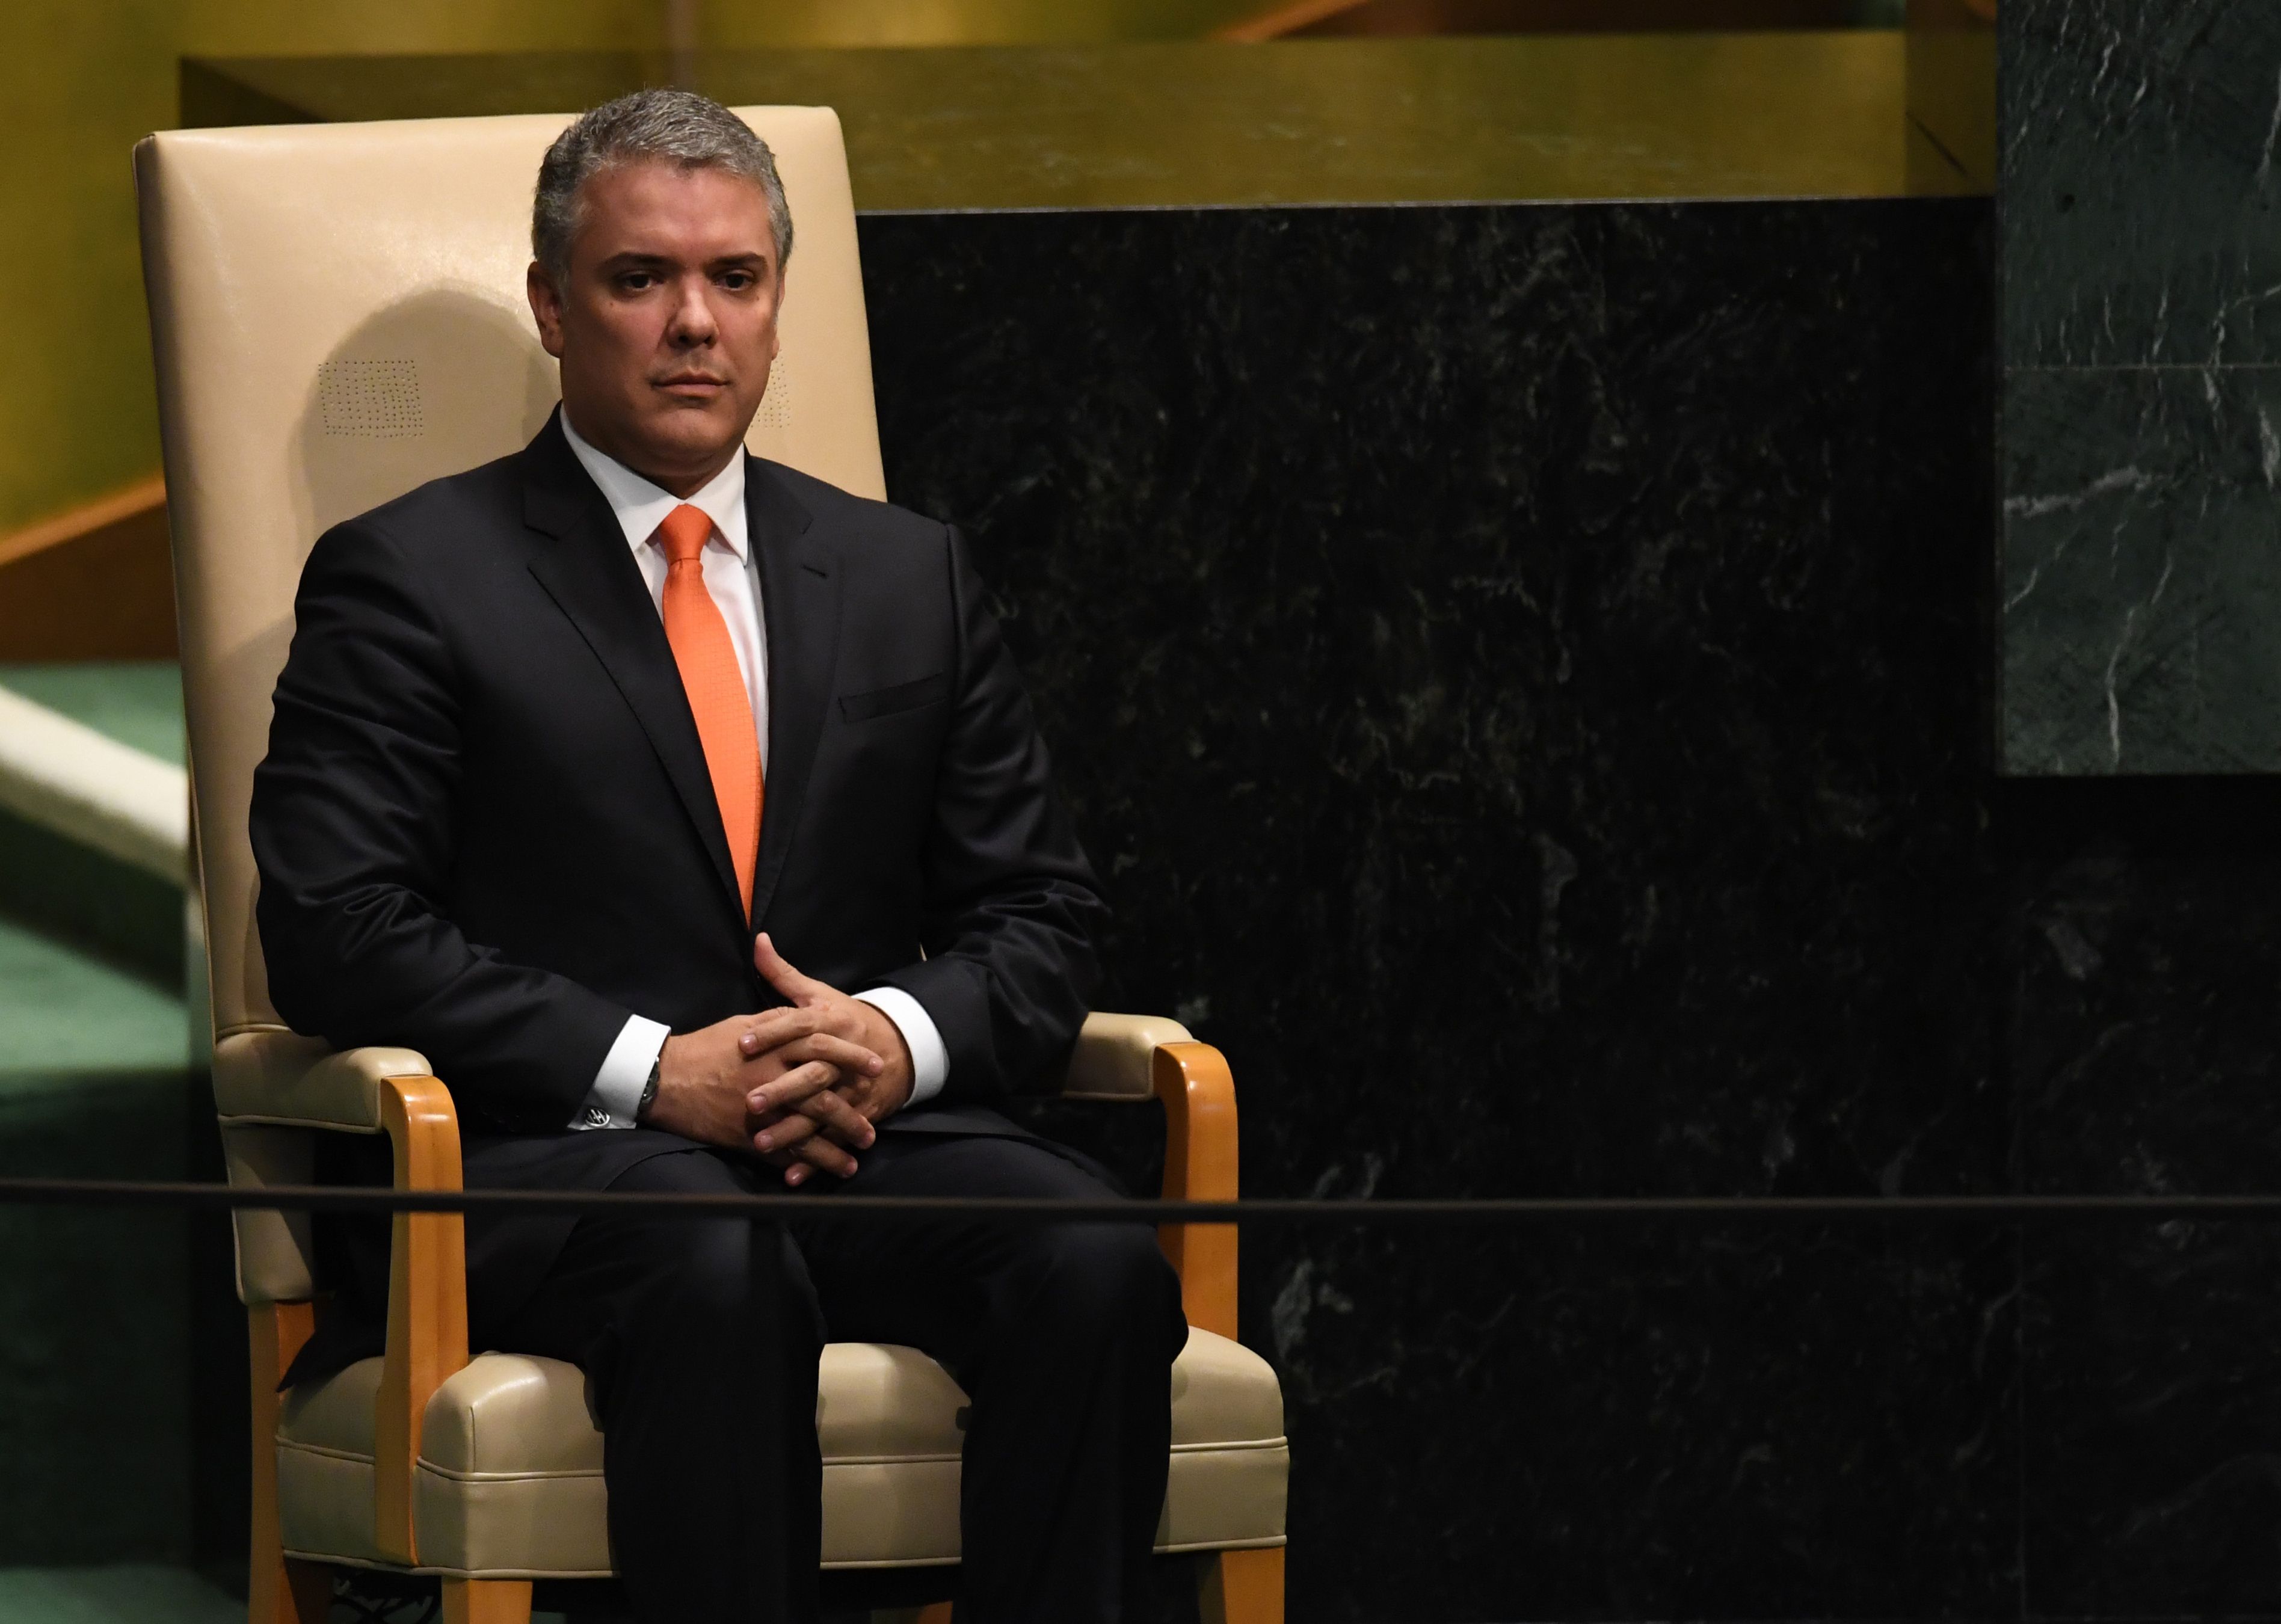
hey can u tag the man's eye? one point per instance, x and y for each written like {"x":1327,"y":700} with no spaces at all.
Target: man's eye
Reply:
{"x":636,"y":282}
{"x":738,"y":281}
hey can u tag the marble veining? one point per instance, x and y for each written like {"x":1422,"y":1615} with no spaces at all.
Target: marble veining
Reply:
{"x":2139,"y":183}
{"x":1524,"y":675}
{"x":1520,"y":672}
{"x":2143,"y":926}
{"x":2141,"y":267}
{"x":2141,"y":573}
{"x":2141,"y":435}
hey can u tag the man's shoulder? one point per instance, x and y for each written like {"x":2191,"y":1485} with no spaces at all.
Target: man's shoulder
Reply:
{"x":843,"y":516}
{"x":442,"y":511}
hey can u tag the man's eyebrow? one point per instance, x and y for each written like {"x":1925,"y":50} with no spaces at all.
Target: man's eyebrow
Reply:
{"x":632,"y":257}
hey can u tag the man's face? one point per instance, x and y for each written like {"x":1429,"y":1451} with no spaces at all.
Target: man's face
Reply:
{"x":669,"y":323}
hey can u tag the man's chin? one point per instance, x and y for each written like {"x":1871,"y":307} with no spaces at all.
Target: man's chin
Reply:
{"x":691,"y":438}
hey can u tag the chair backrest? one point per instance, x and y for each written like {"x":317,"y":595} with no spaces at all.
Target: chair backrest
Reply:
{"x":337,"y":313}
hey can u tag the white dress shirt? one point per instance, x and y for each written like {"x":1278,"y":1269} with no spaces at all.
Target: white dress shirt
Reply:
{"x":733,"y":579}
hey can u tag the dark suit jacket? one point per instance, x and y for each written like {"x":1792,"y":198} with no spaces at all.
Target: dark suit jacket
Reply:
{"x":485,"y":828}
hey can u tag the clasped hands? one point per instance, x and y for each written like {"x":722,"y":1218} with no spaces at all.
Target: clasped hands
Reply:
{"x":800,"y":1086}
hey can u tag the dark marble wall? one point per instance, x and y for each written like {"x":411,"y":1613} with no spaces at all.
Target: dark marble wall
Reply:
{"x":1522,"y":671}
{"x":2141,"y":258}
{"x":2145,"y":924}
{"x":2141,"y":254}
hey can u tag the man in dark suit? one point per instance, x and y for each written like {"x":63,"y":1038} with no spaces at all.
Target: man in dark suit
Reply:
{"x":575,"y":757}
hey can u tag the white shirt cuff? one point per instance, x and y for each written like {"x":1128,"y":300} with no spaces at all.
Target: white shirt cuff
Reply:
{"x":930,"y":1060}
{"x":617,"y":1091}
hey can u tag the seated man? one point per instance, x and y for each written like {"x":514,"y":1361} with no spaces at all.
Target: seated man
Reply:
{"x":575,"y":757}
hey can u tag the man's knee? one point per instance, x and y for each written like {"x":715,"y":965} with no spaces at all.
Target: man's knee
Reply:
{"x":698,"y":1274}
{"x":1106,"y":1273}
{"x":701,"y":1283}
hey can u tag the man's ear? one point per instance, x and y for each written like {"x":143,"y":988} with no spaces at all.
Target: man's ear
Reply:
{"x":545,"y":307}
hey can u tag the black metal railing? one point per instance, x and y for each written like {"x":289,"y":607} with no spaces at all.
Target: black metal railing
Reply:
{"x":770,"y":1208}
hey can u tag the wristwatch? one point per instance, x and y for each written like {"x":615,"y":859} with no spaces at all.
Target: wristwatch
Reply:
{"x":649,"y":1088}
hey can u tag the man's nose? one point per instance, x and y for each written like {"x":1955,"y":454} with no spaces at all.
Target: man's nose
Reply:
{"x":693,"y":316}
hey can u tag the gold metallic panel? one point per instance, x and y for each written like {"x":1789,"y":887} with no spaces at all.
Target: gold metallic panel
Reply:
{"x":1951,"y":88}
{"x":1806,"y":114}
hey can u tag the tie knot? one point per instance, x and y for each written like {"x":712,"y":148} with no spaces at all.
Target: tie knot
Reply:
{"x":684,"y":533}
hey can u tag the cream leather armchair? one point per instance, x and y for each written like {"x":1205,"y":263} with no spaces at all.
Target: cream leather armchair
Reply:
{"x":338,"y":315}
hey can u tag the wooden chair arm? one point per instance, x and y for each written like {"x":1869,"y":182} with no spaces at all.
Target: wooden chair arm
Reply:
{"x":1200,"y":1165}
{"x":267,"y":1074}
{"x":428,"y":1265}
{"x":1114,"y":1057}
{"x":427,"y":1299}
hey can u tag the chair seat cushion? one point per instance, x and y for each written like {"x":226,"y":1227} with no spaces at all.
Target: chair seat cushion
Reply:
{"x":510,"y":1472}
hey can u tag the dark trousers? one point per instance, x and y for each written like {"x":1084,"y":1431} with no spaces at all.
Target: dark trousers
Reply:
{"x":1063,"y":1337}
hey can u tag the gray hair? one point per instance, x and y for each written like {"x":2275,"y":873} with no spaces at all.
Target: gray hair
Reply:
{"x":674,"y":126}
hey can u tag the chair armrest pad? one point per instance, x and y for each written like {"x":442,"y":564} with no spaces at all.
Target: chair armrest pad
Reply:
{"x":1113,"y":1056}
{"x":269,"y":1075}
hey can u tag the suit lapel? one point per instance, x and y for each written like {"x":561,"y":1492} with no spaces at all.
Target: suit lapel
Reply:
{"x":589,"y":571}
{"x":799,"y":606}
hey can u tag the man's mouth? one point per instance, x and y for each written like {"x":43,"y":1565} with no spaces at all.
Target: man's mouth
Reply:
{"x":691,"y":384}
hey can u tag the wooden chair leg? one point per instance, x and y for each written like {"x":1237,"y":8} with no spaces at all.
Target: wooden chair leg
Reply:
{"x":285,"y":1590}
{"x":1243,"y":1587}
{"x":487,"y":1601}
{"x":279,"y":1590}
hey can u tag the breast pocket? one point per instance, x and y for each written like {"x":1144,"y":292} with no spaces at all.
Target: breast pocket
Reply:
{"x":887,"y":701}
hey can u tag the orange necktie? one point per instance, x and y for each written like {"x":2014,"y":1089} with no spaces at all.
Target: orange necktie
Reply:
{"x":716,"y":688}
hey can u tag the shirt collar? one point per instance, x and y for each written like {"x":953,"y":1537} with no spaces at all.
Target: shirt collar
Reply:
{"x":641,"y":506}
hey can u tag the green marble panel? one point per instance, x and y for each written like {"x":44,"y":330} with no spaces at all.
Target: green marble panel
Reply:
{"x":2143,"y":201}
{"x":2141,"y":303}
{"x":2142,"y":570}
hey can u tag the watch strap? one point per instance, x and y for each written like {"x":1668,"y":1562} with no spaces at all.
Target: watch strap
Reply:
{"x":649,"y":1088}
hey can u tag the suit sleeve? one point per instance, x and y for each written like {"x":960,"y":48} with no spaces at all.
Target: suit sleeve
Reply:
{"x":352,"y":831}
{"x":1011,"y":905}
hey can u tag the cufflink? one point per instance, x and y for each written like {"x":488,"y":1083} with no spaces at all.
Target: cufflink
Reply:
{"x":597,"y":1118}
